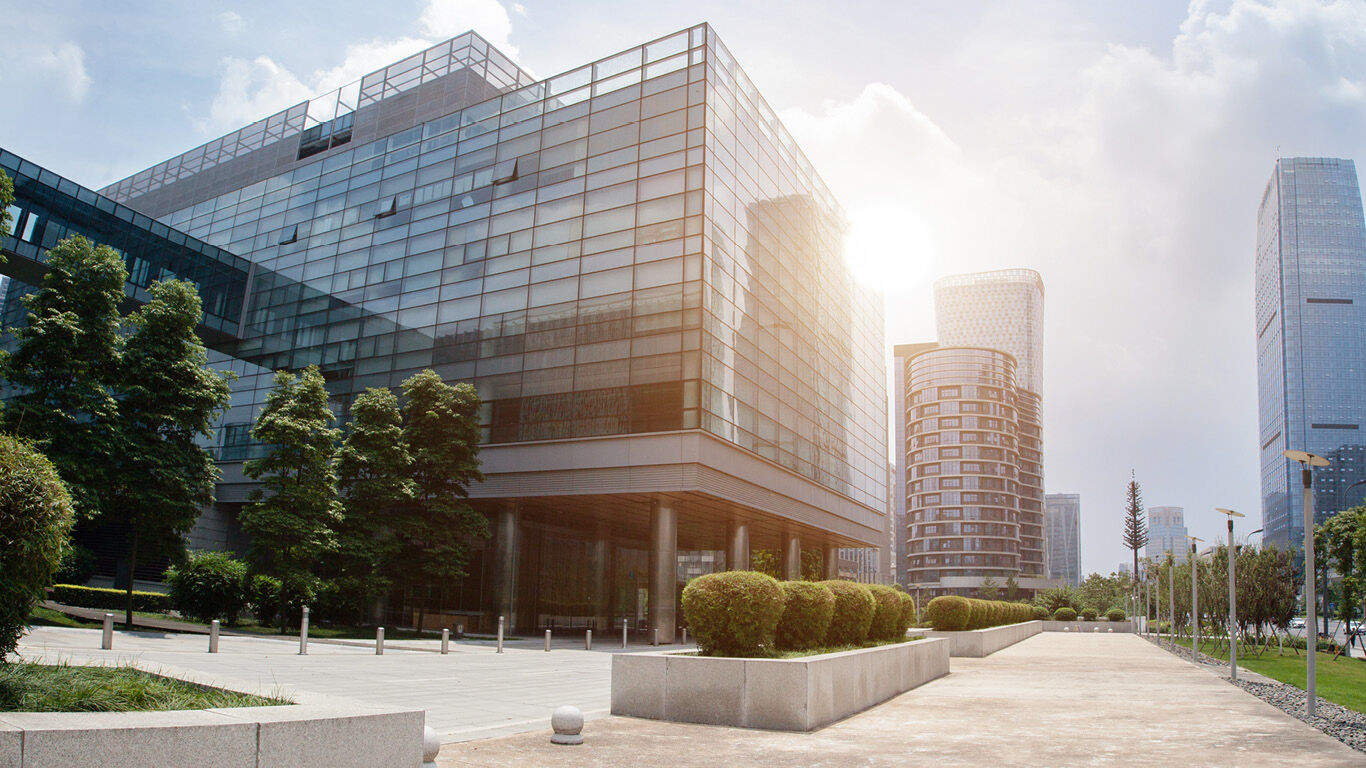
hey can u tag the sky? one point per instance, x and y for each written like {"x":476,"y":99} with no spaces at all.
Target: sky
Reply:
{"x":1119,"y":148}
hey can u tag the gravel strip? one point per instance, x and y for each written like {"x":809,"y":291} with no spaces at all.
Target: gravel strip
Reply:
{"x":1343,"y":724}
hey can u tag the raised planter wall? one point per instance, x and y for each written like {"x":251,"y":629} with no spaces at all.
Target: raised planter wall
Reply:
{"x":297,"y":736}
{"x":778,"y":694}
{"x":976,"y":643}
{"x":1088,"y":626}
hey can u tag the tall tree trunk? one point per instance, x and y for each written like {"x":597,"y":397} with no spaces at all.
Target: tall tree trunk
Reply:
{"x":132,"y":570}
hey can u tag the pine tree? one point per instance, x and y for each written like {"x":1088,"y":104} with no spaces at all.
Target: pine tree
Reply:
{"x":1135,"y":525}
{"x":169,"y":398}
{"x":293,"y":514}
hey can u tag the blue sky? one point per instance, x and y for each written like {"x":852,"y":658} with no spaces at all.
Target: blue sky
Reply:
{"x":1119,"y":148}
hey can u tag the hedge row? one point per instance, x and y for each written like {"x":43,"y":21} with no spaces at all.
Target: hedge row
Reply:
{"x":951,"y":613}
{"x":748,"y":614}
{"x":109,"y":599}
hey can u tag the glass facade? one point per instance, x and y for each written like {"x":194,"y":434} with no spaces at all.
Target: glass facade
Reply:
{"x":1167,"y":533}
{"x":1311,"y":339}
{"x":1062,"y":513}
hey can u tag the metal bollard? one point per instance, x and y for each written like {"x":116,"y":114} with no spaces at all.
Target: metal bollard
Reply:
{"x":588,"y":641}
{"x":654,"y":636}
{"x":500,"y":634}
{"x":107,"y":636}
{"x":623,"y":632}
{"x":547,"y":641}
{"x":685,"y":635}
{"x":379,"y":641}
{"x":445,"y":640}
{"x":303,"y":633}
{"x":213,"y":636}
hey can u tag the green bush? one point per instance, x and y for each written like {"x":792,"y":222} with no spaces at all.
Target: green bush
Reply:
{"x":1115,"y":614}
{"x":265,"y":598}
{"x":907,"y":617}
{"x":210,"y":585}
{"x":1088,"y":613}
{"x":734,"y":613}
{"x":886,"y":614}
{"x":949,"y":613}
{"x":78,"y":565}
{"x":109,"y":599}
{"x":35,"y":520}
{"x":1065,"y":614}
{"x":854,"y":609}
{"x":807,"y":609}
{"x":1040,"y":612}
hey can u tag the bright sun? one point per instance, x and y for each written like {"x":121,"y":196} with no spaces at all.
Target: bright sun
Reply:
{"x":889,"y":247}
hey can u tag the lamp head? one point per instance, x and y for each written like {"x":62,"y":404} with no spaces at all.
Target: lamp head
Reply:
{"x":1229,"y":512}
{"x":1306,"y":458}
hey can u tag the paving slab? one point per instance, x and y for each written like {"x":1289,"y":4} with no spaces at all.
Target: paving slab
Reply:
{"x":1054,"y":699}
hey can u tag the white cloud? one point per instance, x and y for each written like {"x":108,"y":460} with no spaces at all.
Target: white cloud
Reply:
{"x":230,"y":22}
{"x":519,"y":9}
{"x":447,"y":18}
{"x":66,"y":62}
{"x":251,"y":90}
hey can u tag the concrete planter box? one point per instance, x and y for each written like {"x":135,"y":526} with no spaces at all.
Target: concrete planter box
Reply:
{"x":778,"y":694}
{"x":976,"y":643}
{"x":301,"y":735}
{"x":1088,"y":626}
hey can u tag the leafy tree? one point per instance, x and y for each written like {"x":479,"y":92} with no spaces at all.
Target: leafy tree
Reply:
{"x":1135,"y":526}
{"x":441,"y":428}
{"x":812,"y":562}
{"x":1012,"y":589}
{"x":6,"y":200}
{"x":765,"y":561}
{"x":1066,"y":596}
{"x":169,"y":398}
{"x":64,"y":365}
{"x":1341,"y":544}
{"x":293,"y":514}
{"x":35,"y":519}
{"x":208,"y":586}
{"x":1103,"y":592}
{"x":988,"y":590}
{"x":373,"y":472}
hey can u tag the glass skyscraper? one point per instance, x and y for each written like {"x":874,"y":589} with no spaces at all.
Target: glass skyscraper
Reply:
{"x":633,"y":263}
{"x":1062,"y":521}
{"x":1311,"y":339}
{"x":1167,"y":533}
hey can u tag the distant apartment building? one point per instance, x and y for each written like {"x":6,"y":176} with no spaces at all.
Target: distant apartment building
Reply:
{"x":1167,"y":533}
{"x":1062,"y":533}
{"x":1311,"y":339}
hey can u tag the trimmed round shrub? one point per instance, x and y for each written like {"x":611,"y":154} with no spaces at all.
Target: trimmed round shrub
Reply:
{"x":949,"y":613}
{"x":208,"y":586}
{"x":907,"y":618}
{"x":854,"y":609}
{"x":1040,"y":613}
{"x":977,"y":614}
{"x":1115,"y":614}
{"x":1065,"y":614}
{"x":35,"y":519}
{"x":886,"y":615}
{"x":1088,"y":613}
{"x":807,"y":608}
{"x":734,"y":613}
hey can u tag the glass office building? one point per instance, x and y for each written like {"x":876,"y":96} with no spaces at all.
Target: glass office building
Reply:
{"x":1311,"y":339}
{"x":1167,"y":533}
{"x":1062,"y":520}
{"x":632,"y":262}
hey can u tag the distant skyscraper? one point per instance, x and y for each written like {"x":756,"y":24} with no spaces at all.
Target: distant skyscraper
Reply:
{"x":901,"y":354}
{"x":1062,"y":513}
{"x":1166,"y":533}
{"x":1311,"y":338}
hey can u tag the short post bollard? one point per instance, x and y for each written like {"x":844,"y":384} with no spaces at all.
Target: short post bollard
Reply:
{"x":107,"y":637}
{"x":588,"y":640}
{"x":213,"y":636}
{"x":445,"y":640}
{"x":500,"y":634}
{"x":303,"y":633}
{"x":379,"y":641}
{"x":685,"y":635}
{"x":623,"y":632}
{"x":547,"y":641}
{"x":654,"y":636}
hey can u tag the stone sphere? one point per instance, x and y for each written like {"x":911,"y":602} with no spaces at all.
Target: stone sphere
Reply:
{"x":567,"y":722}
{"x":431,"y":745}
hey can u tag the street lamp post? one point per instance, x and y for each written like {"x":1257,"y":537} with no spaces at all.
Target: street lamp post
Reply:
{"x":1171,"y":602}
{"x":1311,"y":645}
{"x":1232,"y":597}
{"x":1195,"y":600}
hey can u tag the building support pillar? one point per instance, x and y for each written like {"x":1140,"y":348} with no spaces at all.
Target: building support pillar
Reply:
{"x":507,"y":544}
{"x":602,"y":578}
{"x":792,"y":557}
{"x":737,"y":552}
{"x":663,"y":568}
{"x":831,"y":561}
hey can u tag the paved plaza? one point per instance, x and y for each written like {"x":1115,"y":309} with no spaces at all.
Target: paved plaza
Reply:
{"x":1054,"y":699}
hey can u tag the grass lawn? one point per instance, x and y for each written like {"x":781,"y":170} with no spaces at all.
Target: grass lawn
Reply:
{"x":1341,"y":680}
{"x":27,"y":687}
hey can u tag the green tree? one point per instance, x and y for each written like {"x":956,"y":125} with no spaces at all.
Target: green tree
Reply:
{"x":1341,"y":540}
{"x":35,"y":520}
{"x":1012,"y":589}
{"x":293,"y":514}
{"x":441,"y":429}
{"x":374,"y":474}
{"x":989,"y":589}
{"x":64,"y":366}
{"x":6,"y":200}
{"x":169,"y":399}
{"x":1135,"y":526}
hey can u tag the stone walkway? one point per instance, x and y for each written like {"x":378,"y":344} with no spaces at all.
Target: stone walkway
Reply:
{"x":1055,"y":699}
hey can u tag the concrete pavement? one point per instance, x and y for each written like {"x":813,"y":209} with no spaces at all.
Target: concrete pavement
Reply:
{"x":1054,"y":699}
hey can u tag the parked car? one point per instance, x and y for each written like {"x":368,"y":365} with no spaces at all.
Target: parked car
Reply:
{"x":1297,"y":623}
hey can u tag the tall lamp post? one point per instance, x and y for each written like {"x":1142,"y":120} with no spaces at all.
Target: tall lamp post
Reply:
{"x":1195,"y":599}
{"x":1232,"y":596}
{"x":1308,"y":460}
{"x":1171,"y":602}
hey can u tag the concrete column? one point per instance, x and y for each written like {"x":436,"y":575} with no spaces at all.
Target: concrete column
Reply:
{"x":602,"y":577}
{"x":737,"y":552}
{"x":663,"y":567}
{"x":831,"y":561}
{"x":792,"y":557}
{"x":507,"y":543}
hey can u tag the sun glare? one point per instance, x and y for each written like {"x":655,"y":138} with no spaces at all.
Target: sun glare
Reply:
{"x":889,"y":248}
